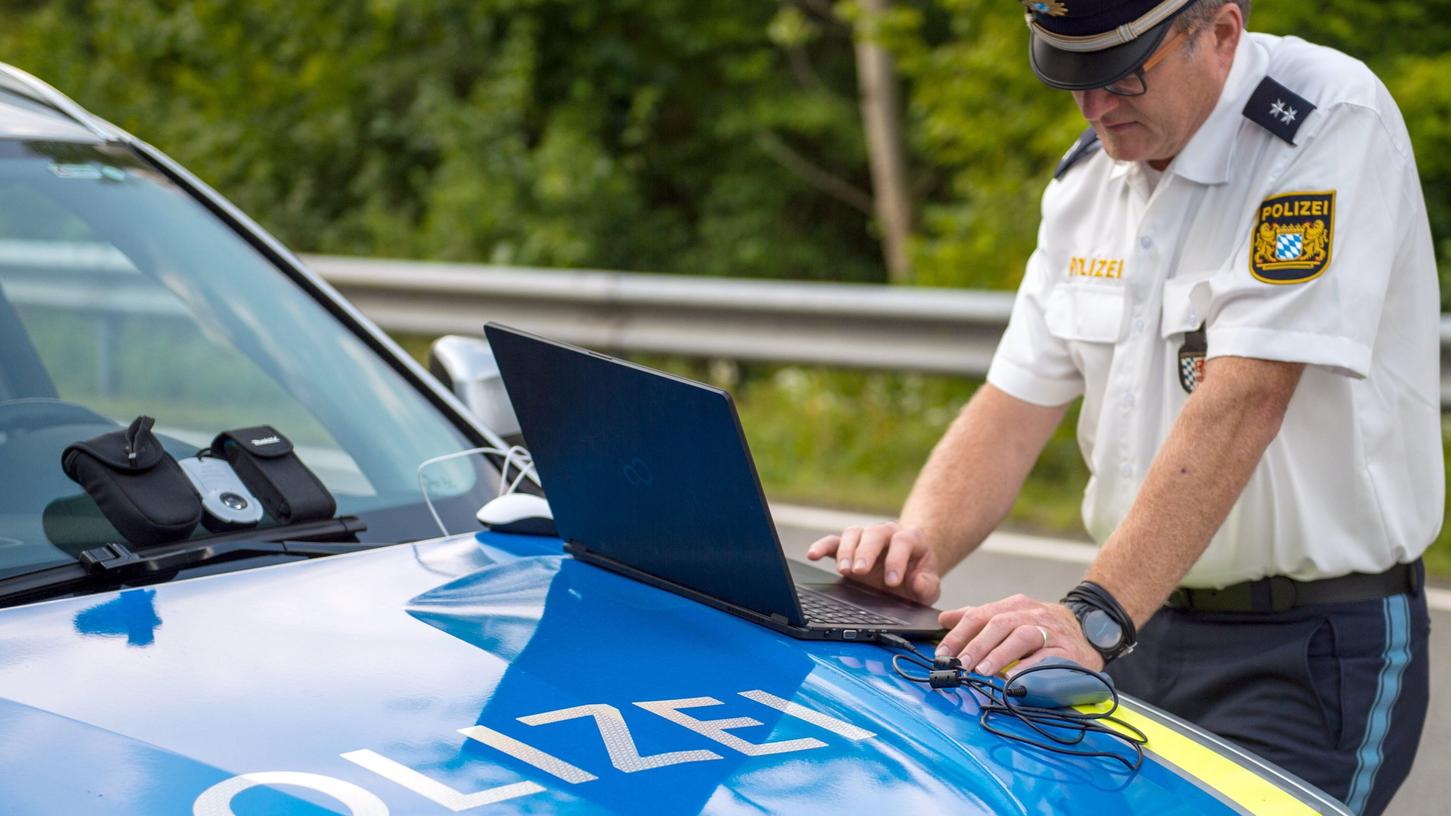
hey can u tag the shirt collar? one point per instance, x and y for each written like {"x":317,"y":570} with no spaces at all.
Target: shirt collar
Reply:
{"x":1206,"y":159}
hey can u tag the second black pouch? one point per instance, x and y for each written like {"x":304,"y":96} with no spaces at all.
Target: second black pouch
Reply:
{"x":266,"y":463}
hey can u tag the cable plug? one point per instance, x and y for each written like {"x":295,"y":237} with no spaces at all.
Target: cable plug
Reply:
{"x":896,"y":640}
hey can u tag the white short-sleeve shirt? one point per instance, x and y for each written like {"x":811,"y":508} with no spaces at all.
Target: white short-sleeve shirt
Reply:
{"x":1316,"y":252}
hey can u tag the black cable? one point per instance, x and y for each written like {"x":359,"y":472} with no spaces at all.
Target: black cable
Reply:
{"x":1062,"y":730}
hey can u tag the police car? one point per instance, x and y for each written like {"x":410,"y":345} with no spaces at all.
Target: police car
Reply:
{"x":387,"y":657}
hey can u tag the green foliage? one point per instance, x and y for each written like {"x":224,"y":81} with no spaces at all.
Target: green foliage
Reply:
{"x":626,"y":134}
{"x":986,"y":134}
{"x":711,"y":137}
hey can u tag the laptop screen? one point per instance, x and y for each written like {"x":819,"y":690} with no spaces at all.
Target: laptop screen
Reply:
{"x":647,"y":469}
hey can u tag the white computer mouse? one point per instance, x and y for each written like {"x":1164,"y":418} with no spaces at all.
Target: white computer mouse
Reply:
{"x":522,"y":513}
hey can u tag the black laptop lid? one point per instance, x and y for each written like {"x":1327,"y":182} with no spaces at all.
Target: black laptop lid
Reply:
{"x":647,"y":469}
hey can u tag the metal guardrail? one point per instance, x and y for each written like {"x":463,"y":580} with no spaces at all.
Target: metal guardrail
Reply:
{"x":851,"y":325}
{"x":945,"y":331}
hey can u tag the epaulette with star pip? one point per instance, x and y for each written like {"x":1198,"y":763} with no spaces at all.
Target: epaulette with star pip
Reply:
{"x":1277,"y":109}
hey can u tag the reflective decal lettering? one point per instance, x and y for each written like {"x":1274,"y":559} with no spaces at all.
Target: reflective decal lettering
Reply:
{"x":718,"y":730}
{"x":552,"y":765}
{"x":618,"y":742}
{"x":816,"y":718}
{"x":217,"y":800}
{"x":434,"y":790}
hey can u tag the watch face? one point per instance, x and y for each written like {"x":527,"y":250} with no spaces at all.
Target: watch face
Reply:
{"x":1102,"y":633}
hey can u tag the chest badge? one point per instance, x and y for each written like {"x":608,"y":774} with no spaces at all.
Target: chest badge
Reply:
{"x":1191,"y":359}
{"x":1293,"y":236}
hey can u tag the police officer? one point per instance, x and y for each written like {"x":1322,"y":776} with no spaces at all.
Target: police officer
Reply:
{"x":1235,"y":273}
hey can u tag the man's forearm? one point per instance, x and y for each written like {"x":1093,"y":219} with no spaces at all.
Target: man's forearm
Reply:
{"x":1199,"y":473}
{"x":974,"y":474}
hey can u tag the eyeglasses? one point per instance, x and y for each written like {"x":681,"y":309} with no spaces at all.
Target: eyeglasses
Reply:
{"x":1134,"y":84}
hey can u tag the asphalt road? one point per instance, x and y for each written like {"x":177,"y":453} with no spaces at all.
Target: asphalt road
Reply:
{"x":1043,"y":568}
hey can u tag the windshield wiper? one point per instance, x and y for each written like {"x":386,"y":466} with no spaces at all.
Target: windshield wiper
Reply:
{"x":116,"y":564}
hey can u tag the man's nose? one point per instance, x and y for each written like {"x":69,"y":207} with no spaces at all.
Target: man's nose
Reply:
{"x":1095,"y":103}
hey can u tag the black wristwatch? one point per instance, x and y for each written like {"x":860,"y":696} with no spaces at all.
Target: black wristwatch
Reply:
{"x":1106,"y":627}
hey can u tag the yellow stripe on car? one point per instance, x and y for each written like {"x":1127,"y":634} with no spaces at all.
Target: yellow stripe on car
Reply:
{"x":1211,"y":769}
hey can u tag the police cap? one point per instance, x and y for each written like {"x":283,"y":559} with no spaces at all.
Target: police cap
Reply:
{"x":1076,"y":45}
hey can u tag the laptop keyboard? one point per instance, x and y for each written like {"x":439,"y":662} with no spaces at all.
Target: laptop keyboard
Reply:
{"x":821,"y":609}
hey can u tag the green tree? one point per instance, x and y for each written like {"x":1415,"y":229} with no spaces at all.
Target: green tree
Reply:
{"x":630,"y":134}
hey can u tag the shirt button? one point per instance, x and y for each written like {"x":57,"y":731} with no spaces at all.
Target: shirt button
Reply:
{"x":1145,"y":242}
{"x":1126,"y":470}
{"x":1138,"y":325}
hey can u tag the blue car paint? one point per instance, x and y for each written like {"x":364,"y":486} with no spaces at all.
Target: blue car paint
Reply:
{"x":139,"y":701}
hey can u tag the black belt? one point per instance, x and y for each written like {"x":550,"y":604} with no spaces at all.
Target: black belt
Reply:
{"x":1278,"y":593}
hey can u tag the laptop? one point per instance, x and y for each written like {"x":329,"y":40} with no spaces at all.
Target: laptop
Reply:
{"x":649,"y":476}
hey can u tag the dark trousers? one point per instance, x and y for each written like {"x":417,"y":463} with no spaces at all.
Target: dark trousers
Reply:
{"x":1335,"y":694}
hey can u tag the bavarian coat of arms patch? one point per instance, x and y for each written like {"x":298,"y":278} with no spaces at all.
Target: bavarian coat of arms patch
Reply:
{"x":1293,"y":236}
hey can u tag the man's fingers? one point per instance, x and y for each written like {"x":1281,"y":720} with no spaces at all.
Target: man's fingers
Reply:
{"x":1022,"y":641}
{"x":907,"y":545}
{"x":823,"y":547}
{"x":874,"y":539}
{"x":906,"y":563}
{"x":950,"y":618}
{"x":992,"y":633}
{"x":846,"y":550}
{"x":963,"y":631}
{"x":1038,"y":657}
{"x":927,"y":586}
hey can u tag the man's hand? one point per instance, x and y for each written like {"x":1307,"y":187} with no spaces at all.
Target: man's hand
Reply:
{"x":909,"y":567}
{"x":987,"y":638}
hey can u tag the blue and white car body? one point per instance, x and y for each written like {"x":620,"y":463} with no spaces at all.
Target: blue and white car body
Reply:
{"x":468,"y":673}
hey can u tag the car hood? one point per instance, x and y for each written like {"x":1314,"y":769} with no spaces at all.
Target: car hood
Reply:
{"x":493,"y":673}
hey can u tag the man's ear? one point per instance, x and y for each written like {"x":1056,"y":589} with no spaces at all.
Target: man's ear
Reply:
{"x":1227,"y":27}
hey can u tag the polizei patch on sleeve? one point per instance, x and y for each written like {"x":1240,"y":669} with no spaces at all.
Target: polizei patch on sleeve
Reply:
{"x":1293,"y":235}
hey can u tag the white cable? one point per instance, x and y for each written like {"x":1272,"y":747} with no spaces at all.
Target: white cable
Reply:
{"x":516,"y":455}
{"x":514,"y":485}
{"x":525,"y":459}
{"x":525,"y":465}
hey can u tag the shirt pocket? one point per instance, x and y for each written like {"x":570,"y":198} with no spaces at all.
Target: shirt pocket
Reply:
{"x":1186,"y":305}
{"x":1085,"y":314}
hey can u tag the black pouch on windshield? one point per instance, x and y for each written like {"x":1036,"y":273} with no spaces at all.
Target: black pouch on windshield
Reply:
{"x":140,"y":489}
{"x":266,"y":463}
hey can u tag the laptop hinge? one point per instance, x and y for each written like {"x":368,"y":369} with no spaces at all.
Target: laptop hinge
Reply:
{"x":779,"y":618}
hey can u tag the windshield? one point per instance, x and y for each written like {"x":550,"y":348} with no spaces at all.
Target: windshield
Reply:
{"x":121,"y":295}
